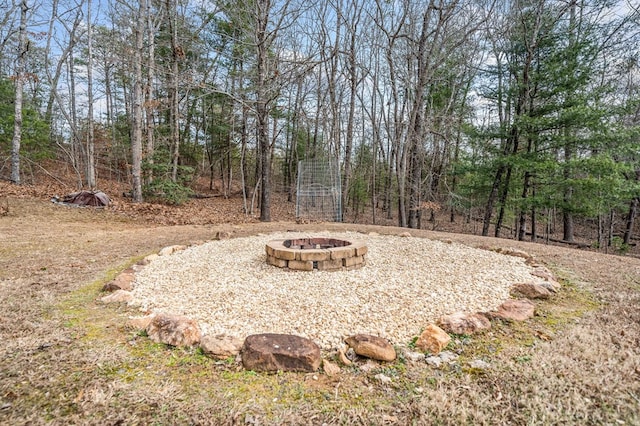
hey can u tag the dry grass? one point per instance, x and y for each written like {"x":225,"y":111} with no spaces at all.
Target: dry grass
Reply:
{"x":67,"y":360}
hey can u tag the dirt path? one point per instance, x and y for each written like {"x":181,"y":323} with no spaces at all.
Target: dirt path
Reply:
{"x":66,"y":359}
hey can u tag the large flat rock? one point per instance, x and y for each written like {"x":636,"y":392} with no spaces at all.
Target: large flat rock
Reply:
{"x":280,"y":352}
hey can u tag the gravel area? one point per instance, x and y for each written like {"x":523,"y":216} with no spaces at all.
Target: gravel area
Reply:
{"x":406,"y":284}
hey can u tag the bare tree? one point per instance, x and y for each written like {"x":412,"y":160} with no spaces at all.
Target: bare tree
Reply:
{"x":7,"y":23}
{"x":138,"y":101}
{"x":268,"y":19}
{"x":65,"y":107}
{"x":352,"y":71}
{"x":177,"y":54}
{"x":91,"y":157}
{"x":151,"y":104}
{"x":23,"y":48}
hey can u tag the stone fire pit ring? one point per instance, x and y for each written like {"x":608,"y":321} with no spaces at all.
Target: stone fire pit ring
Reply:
{"x":321,"y":253}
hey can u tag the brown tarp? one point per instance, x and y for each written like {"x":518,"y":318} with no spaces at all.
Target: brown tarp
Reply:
{"x":87,"y":198}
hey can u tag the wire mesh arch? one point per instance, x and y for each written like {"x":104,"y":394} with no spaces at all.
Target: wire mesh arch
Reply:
{"x":319,"y":192}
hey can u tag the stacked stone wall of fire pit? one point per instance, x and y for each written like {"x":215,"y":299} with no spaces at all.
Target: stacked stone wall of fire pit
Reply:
{"x":323,"y":254}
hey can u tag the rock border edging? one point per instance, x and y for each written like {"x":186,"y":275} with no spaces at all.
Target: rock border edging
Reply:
{"x":176,"y":330}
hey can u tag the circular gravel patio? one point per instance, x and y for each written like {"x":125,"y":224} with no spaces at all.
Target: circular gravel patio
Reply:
{"x":405,"y":284}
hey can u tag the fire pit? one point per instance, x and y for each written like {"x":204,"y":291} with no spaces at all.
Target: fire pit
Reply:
{"x":324,"y":254}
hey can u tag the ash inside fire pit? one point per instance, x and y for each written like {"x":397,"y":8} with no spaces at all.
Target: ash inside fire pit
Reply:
{"x":315,"y":243}
{"x":307,"y":254}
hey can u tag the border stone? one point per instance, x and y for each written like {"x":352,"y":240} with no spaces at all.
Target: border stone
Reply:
{"x":373,"y":347}
{"x":464,"y":323}
{"x":118,"y":296}
{"x":123,"y":281}
{"x":139,"y":323}
{"x":531,"y":290}
{"x":280,"y":352}
{"x":433,"y":339}
{"x":221,"y":346}
{"x":515,"y":310}
{"x":174,"y":330}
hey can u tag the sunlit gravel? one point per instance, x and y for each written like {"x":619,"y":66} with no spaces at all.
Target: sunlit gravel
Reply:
{"x":406,"y":284}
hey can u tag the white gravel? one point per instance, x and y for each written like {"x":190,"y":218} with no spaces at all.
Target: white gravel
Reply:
{"x":406,"y":284}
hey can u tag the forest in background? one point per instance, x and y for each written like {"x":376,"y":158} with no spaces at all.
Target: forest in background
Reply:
{"x":521,"y":114}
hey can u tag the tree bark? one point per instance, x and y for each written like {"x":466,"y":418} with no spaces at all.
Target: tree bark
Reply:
{"x":522,"y":225}
{"x":567,"y":216}
{"x":91,"y":156}
{"x":491,"y":200}
{"x":353,"y":86}
{"x":149,"y":93}
{"x":631,"y":216}
{"x":136,"y":131}
{"x":262,"y":113}
{"x":174,"y":101}
{"x":19,"y":87}
{"x":503,"y":200}
{"x":416,"y":126}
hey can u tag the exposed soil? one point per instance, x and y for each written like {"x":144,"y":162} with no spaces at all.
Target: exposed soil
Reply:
{"x":67,"y":359}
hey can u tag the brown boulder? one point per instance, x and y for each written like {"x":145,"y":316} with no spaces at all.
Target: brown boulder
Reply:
{"x":548,"y":276}
{"x":280,"y":352}
{"x":221,"y":346}
{"x":531,"y":290}
{"x":118,"y":296}
{"x":174,"y":330}
{"x":433,"y":339}
{"x":464,"y":323}
{"x":121,"y":282}
{"x":543,"y":272}
{"x":373,"y":347}
{"x":515,"y":309}
{"x":139,"y":323}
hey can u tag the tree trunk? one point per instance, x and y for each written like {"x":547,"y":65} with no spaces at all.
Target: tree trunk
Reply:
{"x":631,"y":216}
{"x":568,"y":229}
{"x":522,"y":220}
{"x":76,"y":143}
{"x":262,"y":112}
{"x":415,"y":187}
{"x":174,"y":101}
{"x":491,"y":200}
{"x":353,"y":85}
{"x":416,"y":126}
{"x":19,"y":86}
{"x":149,"y":94}
{"x":503,"y":201}
{"x":534,"y":220}
{"x":136,"y":131}
{"x":91,"y":157}
{"x":567,"y":216}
